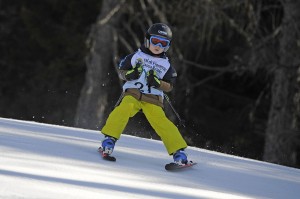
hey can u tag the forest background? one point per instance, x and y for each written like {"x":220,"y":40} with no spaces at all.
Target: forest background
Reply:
{"x":238,"y":63}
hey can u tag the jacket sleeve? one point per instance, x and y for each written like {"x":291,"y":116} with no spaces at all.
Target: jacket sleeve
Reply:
{"x":124,"y":66}
{"x":168,"y":81}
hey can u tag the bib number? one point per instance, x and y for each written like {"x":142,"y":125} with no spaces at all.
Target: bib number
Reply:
{"x":141,"y":86}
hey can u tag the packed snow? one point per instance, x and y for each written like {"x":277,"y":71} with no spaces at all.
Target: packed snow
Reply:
{"x":42,"y":161}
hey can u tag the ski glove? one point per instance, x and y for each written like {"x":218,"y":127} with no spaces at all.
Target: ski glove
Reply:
{"x":135,"y":72}
{"x":152,"y":79}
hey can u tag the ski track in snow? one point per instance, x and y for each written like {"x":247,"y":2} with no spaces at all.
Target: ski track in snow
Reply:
{"x":49,"y":161}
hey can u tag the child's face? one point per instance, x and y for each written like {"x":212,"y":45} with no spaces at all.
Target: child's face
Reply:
{"x":155,"y":49}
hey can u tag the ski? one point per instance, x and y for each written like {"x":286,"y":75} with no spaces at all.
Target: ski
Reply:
{"x":173,"y":166}
{"x":106,"y":156}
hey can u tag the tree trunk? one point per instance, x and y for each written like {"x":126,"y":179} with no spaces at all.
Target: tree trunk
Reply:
{"x":101,"y":88}
{"x":283,"y":124}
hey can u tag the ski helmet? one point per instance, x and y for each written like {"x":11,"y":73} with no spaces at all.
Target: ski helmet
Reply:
{"x":158,"y":29}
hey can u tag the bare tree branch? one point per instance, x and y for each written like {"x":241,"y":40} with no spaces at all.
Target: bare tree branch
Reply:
{"x":208,"y":79}
{"x":225,"y":69}
{"x":111,"y":14}
{"x":148,"y":18}
{"x":158,"y":12}
{"x":133,"y":35}
{"x":126,"y":44}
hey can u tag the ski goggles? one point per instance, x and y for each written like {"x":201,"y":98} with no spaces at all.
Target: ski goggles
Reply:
{"x":158,"y":41}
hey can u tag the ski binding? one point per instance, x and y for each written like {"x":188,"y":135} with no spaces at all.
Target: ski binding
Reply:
{"x":106,"y":156}
{"x":173,"y":166}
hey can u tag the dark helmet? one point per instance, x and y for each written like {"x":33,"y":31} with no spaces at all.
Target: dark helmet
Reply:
{"x":158,"y":29}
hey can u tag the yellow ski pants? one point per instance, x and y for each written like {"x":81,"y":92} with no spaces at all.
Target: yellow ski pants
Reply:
{"x":168,"y":132}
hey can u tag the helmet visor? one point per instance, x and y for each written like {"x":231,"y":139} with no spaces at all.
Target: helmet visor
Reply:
{"x":159,"y":41}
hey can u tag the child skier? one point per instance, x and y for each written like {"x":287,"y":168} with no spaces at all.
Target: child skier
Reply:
{"x":148,"y":74}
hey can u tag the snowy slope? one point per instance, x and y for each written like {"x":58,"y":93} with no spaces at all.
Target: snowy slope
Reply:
{"x":47,"y":161}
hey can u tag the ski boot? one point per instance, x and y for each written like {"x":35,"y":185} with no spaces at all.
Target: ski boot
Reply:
{"x":180,"y":161}
{"x":107,"y":147}
{"x":180,"y":157}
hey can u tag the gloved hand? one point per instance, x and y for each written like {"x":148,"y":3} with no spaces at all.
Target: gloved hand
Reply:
{"x":135,"y":72}
{"x":152,"y":79}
